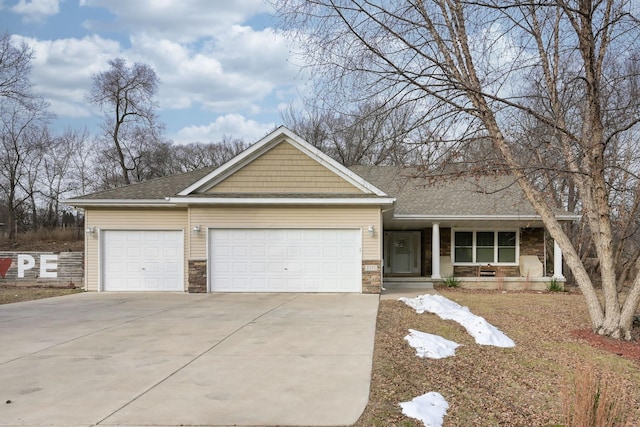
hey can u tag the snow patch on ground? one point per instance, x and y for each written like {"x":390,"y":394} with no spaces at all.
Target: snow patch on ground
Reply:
{"x":483,"y":332}
{"x":430,"y":408}
{"x":431,"y":346}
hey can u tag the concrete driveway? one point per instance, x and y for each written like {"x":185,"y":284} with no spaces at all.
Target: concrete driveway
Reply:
{"x":184,"y":359}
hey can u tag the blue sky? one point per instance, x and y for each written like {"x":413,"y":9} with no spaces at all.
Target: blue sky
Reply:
{"x":223,"y":68}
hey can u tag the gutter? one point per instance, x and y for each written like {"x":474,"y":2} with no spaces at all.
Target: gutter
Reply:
{"x":169,"y":202}
{"x":280,"y":201}
{"x":564,"y":217}
{"x":119,"y":202}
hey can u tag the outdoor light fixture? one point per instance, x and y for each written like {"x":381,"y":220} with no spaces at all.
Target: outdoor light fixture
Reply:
{"x":371,"y":231}
{"x":91,"y":230}
{"x":195,"y":229}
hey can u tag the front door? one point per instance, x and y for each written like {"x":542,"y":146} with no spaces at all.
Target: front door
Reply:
{"x":402,"y":252}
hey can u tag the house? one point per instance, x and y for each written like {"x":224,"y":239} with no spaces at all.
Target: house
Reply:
{"x":284,"y":217}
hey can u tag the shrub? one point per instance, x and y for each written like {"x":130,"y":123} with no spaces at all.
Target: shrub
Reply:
{"x":555,"y":286}
{"x":452,"y":282}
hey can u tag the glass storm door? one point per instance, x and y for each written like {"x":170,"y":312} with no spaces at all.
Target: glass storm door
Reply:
{"x":402,"y":252}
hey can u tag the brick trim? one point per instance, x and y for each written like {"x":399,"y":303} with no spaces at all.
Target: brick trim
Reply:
{"x":371,"y":279}
{"x":197,"y":276}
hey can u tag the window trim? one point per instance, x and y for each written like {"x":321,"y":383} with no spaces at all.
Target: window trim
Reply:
{"x":474,"y":246}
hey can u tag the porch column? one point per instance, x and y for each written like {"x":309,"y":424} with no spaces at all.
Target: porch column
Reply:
{"x":557,"y":261}
{"x":435,"y":251}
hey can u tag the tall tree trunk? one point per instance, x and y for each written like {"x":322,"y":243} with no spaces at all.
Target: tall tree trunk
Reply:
{"x":121,"y":159}
{"x":12,"y":216}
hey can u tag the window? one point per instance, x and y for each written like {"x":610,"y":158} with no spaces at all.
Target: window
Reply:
{"x":464,"y":246}
{"x":506,"y":246}
{"x":485,"y":247}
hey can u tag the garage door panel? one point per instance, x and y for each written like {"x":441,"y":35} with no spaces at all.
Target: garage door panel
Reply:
{"x":275,"y":267}
{"x":258,"y":267}
{"x":294,"y":267}
{"x":221,"y":268}
{"x":171,"y":268}
{"x":153,"y":252}
{"x":172,"y":252}
{"x":314,"y":268}
{"x":295,"y":252}
{"x":137,"y":260}
{"x":285,"y":260}
{"x":331,"y":251}
{"x":257,"y":251}
{"x":275,"y":251}
{"x":242,"y":251}
{"x":313,"y":251}
{"x":239,"y":267}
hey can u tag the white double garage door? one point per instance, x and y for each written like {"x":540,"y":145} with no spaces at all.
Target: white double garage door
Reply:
{"x":239,"y":260}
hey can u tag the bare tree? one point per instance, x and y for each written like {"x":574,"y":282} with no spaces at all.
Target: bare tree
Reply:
{"x":36,"y":139}
{"x":368,"y":133}
{"x":22,"y":128}
{"x":471,"y":63}
{"x":63,"y":172}
{"x":15,"y":67}
{"x":23,"y":119}
{"x":79,"y":146}
{"x":196,"y":155}
{"x":126,"y":96}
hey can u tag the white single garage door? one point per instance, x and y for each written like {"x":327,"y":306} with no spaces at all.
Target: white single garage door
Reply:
{"x":142,"y":260}
{"x":285,"y":260}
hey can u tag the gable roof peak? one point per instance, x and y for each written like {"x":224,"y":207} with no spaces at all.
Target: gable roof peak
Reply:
{"x":272,"y":139}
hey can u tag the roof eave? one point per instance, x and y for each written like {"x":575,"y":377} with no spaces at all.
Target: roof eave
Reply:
{"x":119,"y":202}
{"x":435,"y":218}
{"x":375,"y":201}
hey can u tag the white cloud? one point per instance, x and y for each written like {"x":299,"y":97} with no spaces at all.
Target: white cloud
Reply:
{"x":233,"y":73}
{"x":36,"y":10}
{"x":205,"y":55}
{"x":180,"y":20}
{"x":62,"y":70}
{"x":189,"y":78}
{"x":234,"y":125}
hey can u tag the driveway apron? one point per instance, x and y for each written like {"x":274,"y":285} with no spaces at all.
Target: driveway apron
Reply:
{"x":117,"y":359}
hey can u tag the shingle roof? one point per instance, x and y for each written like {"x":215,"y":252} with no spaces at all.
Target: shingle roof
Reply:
{"x":414,"y":194}
{"x":153,"y":189}
{"x":476,"y":196}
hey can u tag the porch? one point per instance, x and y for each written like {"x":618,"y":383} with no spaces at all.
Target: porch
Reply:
{"x":505,"y":258}
{"x":393,"y":285}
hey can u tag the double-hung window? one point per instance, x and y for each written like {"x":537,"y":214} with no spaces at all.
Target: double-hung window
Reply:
{"x":485,"y":247}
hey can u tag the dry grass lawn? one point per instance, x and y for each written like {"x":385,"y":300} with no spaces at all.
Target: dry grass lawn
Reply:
{"x":485,"y":386}
{"x":490,"y":386}
{"x":56,"y":240}
{"x":13,"y":294}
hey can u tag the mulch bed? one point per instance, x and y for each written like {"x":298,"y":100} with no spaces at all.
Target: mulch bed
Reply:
{"x":626,"y":349}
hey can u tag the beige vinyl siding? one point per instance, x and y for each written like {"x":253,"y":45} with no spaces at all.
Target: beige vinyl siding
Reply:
{"x":127,"y":219}
{"x":284,"y":169}
{"x":290,"y":217}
